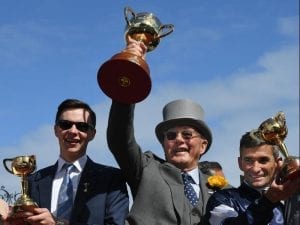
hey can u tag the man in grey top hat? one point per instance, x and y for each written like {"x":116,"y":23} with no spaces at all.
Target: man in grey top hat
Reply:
{"x":157,"y":184}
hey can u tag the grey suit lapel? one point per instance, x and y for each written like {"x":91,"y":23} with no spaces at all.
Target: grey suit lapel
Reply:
{"x":172,"y":176}
{"x":205,"y":191}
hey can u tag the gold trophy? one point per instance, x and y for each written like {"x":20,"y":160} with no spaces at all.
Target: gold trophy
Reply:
{"x":274,"y":131}
{"x":126,"y":77}
{"x":22,"y":166}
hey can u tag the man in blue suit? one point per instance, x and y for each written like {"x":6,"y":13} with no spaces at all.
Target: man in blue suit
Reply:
{"x":99,"y":192}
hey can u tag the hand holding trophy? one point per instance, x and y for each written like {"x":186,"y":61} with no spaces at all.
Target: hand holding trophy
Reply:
{"x":126,"y":77}
{"x":22,"y":166}
{"x":274,"y":131}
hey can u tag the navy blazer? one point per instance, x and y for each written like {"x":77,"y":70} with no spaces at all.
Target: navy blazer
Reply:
{"x":101,"y":196}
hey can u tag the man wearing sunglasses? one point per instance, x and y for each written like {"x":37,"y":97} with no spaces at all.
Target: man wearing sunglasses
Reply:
{"x":97,"y":193}
{"x":156,"y":184}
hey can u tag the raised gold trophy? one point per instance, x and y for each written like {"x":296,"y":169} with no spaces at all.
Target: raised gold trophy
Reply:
{"x":126,"y":77}
{"x":22,"y":166}
{"x":274,"y":131}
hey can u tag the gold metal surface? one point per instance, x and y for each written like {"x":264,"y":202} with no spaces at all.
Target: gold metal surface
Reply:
{"x":22,"y":166}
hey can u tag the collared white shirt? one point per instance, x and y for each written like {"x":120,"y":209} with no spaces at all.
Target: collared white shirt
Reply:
{"x":195,"y":175}
{"x":58,"y":179}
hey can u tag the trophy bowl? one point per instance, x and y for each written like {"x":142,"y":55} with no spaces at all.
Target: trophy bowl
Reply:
{"x":126,"y":77}
{"x":273,"y":131}
{"x":22,"y":166}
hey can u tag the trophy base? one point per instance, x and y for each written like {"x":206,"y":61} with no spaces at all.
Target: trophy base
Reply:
{"x":125,"y":78}
{"x":24,"y":203}
{"x":21,"y":208}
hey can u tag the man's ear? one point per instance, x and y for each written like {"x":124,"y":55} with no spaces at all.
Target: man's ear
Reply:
{"x":55,"y":130}
{"x":204,"y":146}
{"x":279,"y":161}
{"x":92,"y":134}
{"x":240,"y":163}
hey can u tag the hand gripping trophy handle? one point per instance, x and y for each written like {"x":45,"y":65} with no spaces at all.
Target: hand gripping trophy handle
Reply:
{"x":274,"y":131}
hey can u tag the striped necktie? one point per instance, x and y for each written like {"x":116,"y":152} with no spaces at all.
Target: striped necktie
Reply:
{"x":65,"y":196}
{"x":189,"y":191}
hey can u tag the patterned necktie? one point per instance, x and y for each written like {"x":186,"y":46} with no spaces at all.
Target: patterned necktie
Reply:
{"x":65,"y":196}
{"x":189,"y":190}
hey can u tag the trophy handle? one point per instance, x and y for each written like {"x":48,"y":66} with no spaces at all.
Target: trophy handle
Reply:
{"x":5,"y":166}
{"x":127,"y":11}
{"x":165,"y":30}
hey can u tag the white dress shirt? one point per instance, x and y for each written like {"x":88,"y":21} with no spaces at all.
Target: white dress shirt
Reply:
{"x":58,"y":179}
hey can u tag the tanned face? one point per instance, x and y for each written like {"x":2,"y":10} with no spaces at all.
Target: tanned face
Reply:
{"x":259,"y":165}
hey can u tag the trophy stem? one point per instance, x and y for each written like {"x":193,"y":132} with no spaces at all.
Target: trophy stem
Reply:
{"x":283,"y":149}
{"x":24,"y":185}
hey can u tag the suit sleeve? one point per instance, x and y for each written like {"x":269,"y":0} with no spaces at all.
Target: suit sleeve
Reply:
{"x":117,"y":202}
{"x":122,"y":143}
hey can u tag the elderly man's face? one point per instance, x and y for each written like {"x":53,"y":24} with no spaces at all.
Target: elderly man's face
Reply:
{"x":183,"y":146}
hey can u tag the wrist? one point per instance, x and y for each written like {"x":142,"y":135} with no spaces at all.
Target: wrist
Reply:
{"x":59,"y":221}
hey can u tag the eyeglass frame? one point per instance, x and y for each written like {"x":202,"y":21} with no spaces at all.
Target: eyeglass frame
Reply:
{"x":188,"y":136}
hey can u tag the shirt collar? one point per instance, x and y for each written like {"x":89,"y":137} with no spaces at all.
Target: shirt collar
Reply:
{"x":79,"y":163}
{"x":194,"y":174}
{"x":260,"y":190}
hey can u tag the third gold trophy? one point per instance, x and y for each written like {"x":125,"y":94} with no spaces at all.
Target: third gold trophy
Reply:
{"x":274,"y":131}
{"x":126,"y":77}
{"x":22,"y":166}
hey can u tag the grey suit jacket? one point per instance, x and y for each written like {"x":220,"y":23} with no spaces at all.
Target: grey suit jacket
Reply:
{"x":156,"y":185}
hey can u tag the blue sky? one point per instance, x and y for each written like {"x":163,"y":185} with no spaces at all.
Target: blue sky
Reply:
{"x":238,"y":59}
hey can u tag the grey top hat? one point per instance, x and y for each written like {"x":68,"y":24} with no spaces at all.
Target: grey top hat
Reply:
{"x":183,"y":112}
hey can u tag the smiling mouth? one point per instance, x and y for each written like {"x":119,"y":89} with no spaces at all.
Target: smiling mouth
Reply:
{"x":256,"y":177}
{"x":180,"y":150}
{"x":71,"y":141}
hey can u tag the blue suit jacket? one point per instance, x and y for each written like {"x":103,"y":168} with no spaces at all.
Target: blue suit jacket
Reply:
{"x":101,"y":196}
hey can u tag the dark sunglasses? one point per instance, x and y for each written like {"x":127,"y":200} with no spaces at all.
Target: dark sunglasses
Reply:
{"x":81,"y":126}
{"x":185,"y":134}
